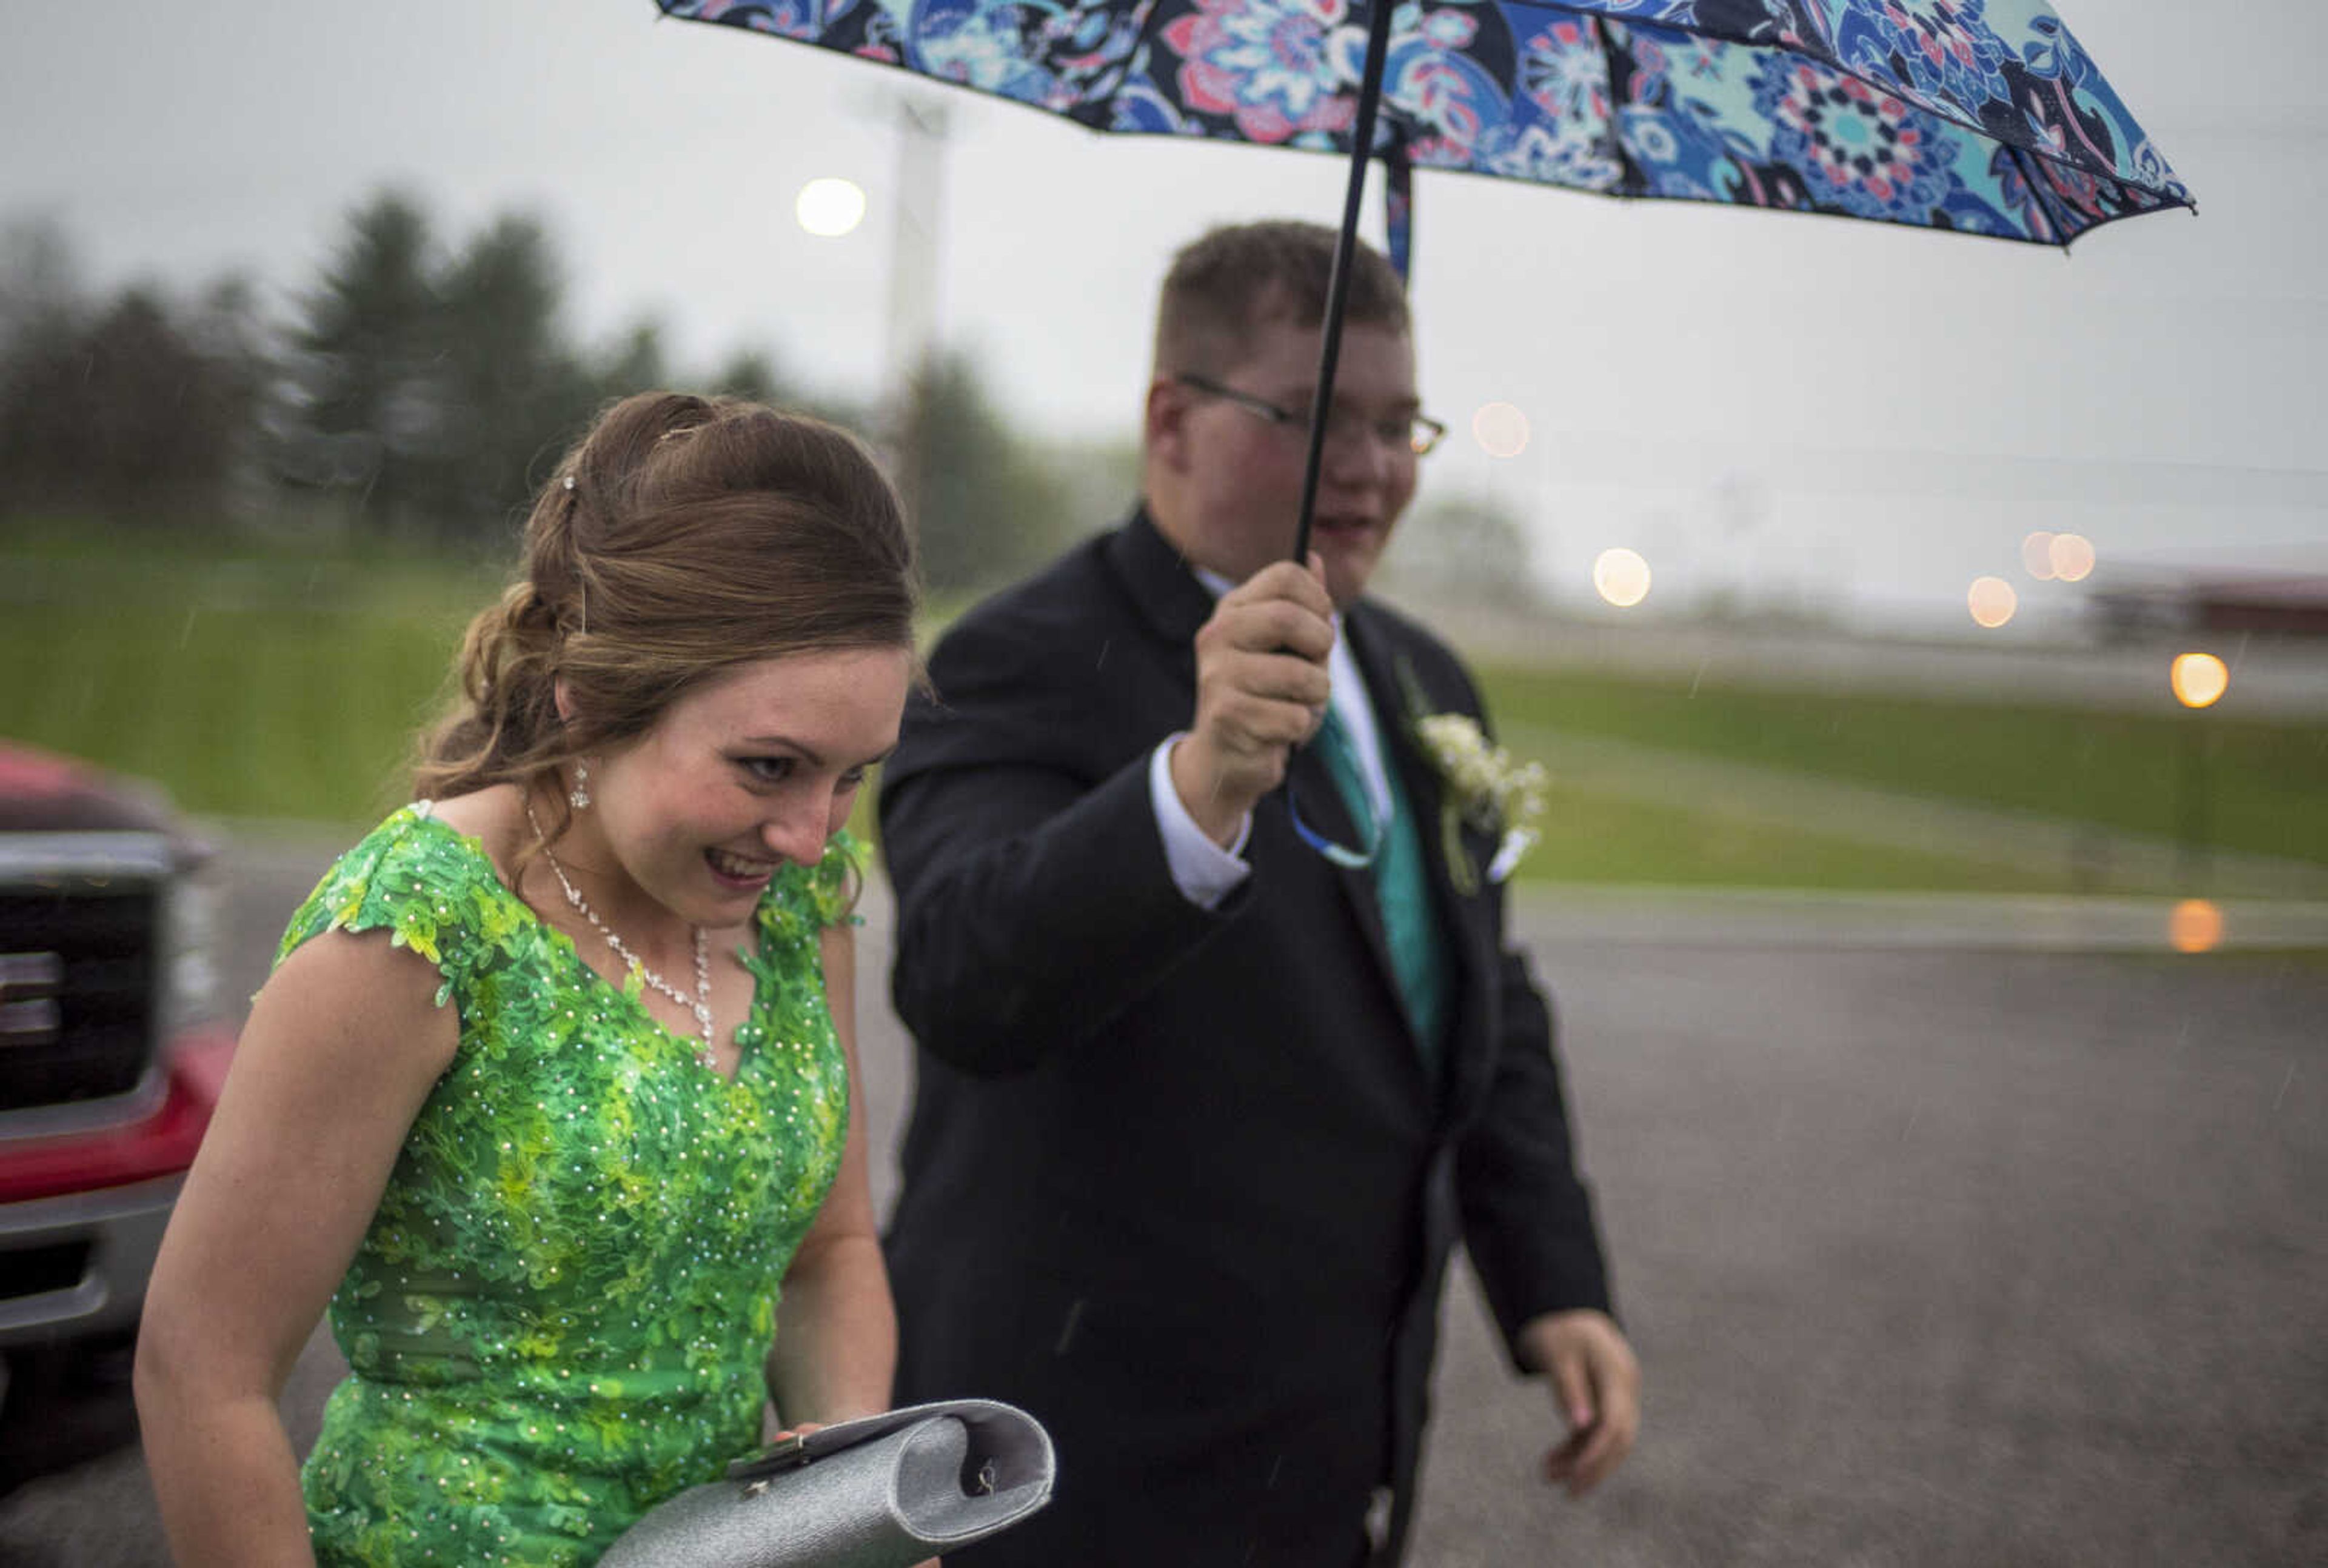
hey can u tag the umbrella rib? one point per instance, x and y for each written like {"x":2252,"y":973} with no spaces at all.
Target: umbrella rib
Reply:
{"x":2039,"y":197}
{"x":1631,"y":181}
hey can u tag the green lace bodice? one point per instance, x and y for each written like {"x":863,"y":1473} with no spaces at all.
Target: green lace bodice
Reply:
{"x":560,"y":1313}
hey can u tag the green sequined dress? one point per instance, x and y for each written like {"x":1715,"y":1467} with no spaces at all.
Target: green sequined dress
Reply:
{"x":560,"y":1314}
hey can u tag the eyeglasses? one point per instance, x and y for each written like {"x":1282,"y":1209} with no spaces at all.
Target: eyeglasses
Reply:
{"x":1415,"y":433}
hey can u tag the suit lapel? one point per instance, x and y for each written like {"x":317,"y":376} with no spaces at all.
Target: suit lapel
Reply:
{"x":1465,"y":919}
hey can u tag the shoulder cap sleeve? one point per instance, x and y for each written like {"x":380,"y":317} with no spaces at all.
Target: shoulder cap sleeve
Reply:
{"x":832,"y":885}
{"x":432,"y":891}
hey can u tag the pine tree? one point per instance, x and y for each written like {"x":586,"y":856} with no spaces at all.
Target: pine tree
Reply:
{"x":367,"y":415}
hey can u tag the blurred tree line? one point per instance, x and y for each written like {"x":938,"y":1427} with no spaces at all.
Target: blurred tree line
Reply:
{"x":421,"y":390}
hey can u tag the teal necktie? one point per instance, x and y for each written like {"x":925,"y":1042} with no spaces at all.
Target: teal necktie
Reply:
{"x":1418,"y":958}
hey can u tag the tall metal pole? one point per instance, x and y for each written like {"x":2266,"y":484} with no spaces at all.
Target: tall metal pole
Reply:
{"x":916,"y":219}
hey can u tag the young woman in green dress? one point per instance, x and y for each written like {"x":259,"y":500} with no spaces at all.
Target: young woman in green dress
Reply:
{"x":549,"y":1093}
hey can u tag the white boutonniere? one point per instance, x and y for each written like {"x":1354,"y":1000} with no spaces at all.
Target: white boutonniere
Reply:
{"x":1484,"y":788}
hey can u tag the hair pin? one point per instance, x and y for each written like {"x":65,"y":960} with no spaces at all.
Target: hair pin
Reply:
{"x":569,"y":482}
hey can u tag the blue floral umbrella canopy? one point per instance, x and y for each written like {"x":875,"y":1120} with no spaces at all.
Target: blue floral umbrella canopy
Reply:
{"x":1981,"y":116}
{"x":1985,"y":117}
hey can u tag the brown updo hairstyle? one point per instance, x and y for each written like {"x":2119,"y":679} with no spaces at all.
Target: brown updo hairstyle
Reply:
{"x":681,"y":537}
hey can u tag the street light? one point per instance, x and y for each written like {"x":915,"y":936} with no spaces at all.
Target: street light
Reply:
{"x":830,"y":208}
{"x":2198,"y":681}
{"x":1621,"y":577}
{"x":2071,"y":557}
{"x":2196,"y":925}
{"x":1501,"y":429}
{"x":1992,"y":602}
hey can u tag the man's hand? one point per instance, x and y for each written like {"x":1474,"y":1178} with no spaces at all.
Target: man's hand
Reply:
{"x":1261,"y":688}
{"x":1597,"y":1384}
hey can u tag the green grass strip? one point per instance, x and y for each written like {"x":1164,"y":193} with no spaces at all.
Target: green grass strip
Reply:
{"x":2264,"y":784}
{"x":287,"y":678}
{"x":1595,"y":838}
{"x":256,"y":713}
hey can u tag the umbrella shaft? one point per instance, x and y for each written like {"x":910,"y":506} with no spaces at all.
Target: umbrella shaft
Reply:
{"x":1338,"y":287}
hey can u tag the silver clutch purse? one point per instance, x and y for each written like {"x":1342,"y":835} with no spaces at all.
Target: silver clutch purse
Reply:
{"x":886,"y":1491}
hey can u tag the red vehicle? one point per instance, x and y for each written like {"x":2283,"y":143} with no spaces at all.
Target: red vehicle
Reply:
{"x":111,"y":1055}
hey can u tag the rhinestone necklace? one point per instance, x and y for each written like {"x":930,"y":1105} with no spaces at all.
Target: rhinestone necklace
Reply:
{"x":701,"y":1004}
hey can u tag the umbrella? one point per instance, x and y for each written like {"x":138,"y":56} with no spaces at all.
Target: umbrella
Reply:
{"x":1980,"y":116}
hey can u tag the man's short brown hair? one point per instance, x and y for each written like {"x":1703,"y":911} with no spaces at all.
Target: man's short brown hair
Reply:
{"x":1228,"y":283}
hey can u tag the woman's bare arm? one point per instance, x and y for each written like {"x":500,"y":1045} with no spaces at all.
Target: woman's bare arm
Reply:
{"x":343,"y":1046}
{"x":836,"y":1346}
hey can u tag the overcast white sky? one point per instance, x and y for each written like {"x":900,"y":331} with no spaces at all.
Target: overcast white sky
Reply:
{"x":1782,"y":404}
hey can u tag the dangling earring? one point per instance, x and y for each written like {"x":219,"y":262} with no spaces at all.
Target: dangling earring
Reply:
{"x":580,"y":798}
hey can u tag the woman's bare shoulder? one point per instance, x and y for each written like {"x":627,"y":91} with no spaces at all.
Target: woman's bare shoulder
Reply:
{"x":494,"y":817}
{"x":366,"y":973}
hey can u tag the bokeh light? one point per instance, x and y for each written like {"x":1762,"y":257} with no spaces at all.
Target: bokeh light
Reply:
{"x":1992,"y":602}
{"x":2198,"y":680}
{"x":2037,"y":556}
{"x":1621,"y":577}
{"x":2196,"y":925}
{"x":830,"y":208}
{"x":2072,"y":557}
{"x":1500,"y":429}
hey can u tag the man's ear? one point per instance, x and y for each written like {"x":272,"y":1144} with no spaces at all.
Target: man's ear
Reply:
{"x":1164,"y":428}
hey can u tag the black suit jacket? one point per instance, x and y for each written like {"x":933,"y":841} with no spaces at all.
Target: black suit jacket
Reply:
{"x":1179,"y":1181}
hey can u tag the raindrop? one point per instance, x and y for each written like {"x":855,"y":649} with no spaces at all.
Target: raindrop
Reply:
{"x":1067,"y":1329}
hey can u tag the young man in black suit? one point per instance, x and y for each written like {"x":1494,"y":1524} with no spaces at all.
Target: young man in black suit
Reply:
{"x":1202,"y":1109}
